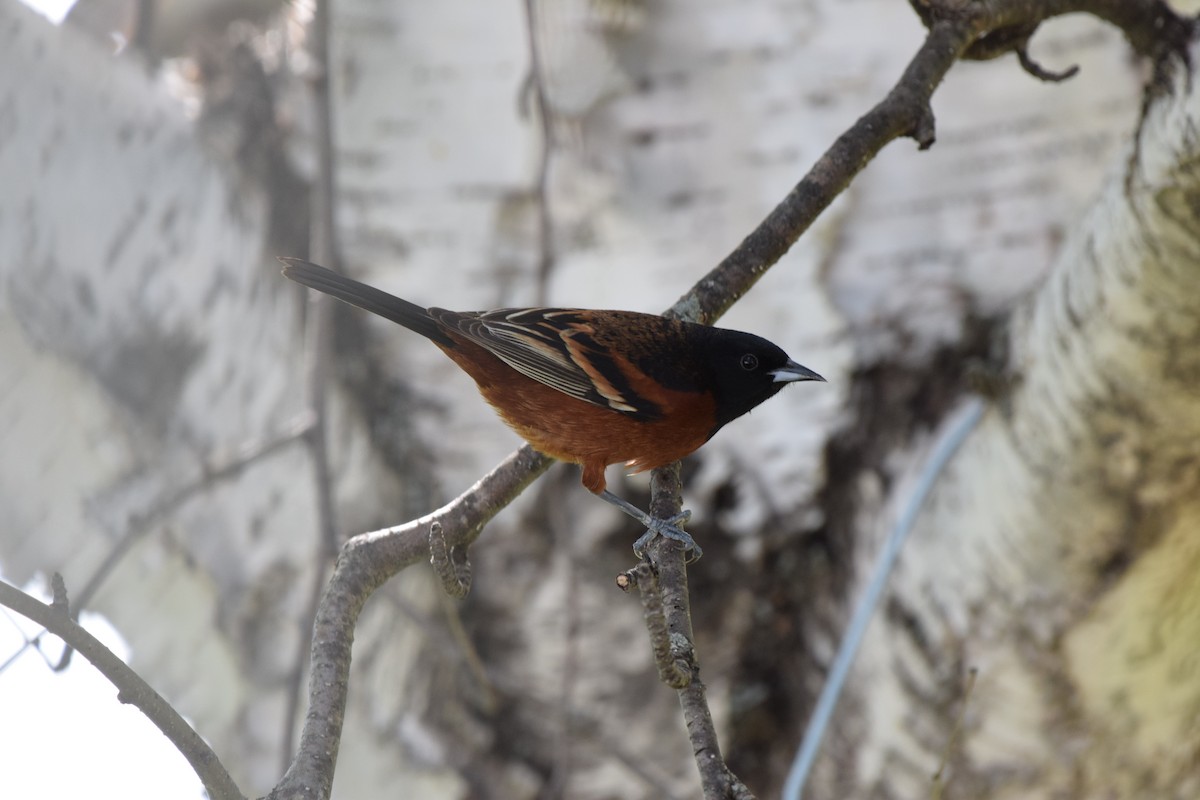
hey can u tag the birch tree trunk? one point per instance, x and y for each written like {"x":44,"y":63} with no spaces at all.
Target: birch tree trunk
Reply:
{"x":1058,"y":555}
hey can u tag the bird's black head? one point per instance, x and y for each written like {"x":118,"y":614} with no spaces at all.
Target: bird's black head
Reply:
{"x":746,"y":370}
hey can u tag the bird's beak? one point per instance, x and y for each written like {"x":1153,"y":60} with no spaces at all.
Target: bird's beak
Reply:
{"x":791,"y":371}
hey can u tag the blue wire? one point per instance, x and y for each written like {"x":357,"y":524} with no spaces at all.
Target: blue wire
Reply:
{"x":815,"y":732}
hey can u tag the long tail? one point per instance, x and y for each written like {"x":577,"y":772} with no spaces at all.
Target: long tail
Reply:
{"x":366,"y":297}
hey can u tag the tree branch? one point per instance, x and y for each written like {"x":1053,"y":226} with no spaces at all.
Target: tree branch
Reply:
{"x":317,"y":343}
{"x":683,"y":671}
{"x":212,"y":471}
{"x":366,"y":561}
{"x":131,"y":687}
{"x":904,"y":112}
{"x":537,"y":87}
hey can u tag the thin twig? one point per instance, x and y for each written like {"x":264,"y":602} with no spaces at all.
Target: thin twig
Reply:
{"x":459,"y":642}
{"x":212,"y":472}
{"x":29,"y":642}
{"x":570,"y":663}
{"x":545,"y":226}
{"x":1041,"y":73}
{"x":131,"y":689}
{"x":317,"y":346}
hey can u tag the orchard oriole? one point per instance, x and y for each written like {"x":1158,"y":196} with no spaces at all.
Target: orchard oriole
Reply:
{"x":593,"y":387}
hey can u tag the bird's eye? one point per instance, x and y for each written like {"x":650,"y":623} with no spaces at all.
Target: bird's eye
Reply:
{"x":749,"y":362}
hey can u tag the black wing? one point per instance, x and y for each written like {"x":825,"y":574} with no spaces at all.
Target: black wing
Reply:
{"x":555,"y":347}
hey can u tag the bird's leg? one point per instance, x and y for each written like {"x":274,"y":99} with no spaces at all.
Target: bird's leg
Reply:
{"x":654,"y":526}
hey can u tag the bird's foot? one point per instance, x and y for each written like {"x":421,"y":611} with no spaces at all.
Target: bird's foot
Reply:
{"x":656,"y":527}
{"x":669,"y":529}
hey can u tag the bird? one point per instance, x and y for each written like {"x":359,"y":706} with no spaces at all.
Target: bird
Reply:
{"x":593,"y":387}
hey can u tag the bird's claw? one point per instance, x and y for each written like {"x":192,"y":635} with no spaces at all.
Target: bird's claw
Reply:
{"x":668,"y":528}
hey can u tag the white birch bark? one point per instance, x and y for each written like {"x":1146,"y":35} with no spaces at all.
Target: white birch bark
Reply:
{"x":143,"y":334}
{"x":1058,"y":554}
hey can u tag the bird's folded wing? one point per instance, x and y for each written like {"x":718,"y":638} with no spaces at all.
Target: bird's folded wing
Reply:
{"x":555,"y":347}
